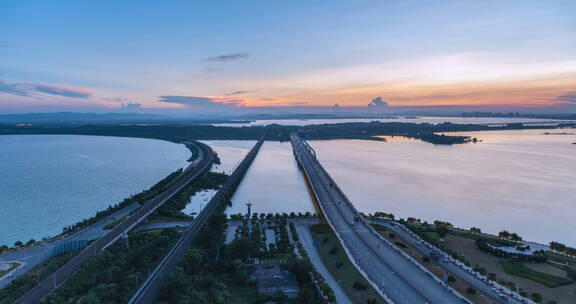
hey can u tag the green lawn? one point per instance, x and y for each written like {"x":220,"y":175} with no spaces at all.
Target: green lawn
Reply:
{"x":518,"y":269}
{"x":346,"y":274}
{"x":278,"y":258}
{"x":115,"y":222}
{"x":13,"y":266}
{"x":243,"y":293}
{"x":560,"y":258}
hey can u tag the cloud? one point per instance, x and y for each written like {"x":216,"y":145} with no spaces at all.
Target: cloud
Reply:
{"x":201,"y":103}
{"x":570,"y":97}
{"x":130,"y":106}
{"x":237,"y":93}
{"x":13,"y":88}
{"x":28,"y":89}
{"x":299,"y":103}
{"x":378,"y":102}
{"x":63,"y":91}
{"x":227,"y":58}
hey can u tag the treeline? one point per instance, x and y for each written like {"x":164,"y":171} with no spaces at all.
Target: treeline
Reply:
{"x":137,"y":198}
{"x":484,"y":245}
{"x":173,"y":208}
{"x":442,"y":139}
{"x":563,"y":248}
{"x":113,"y":275}
{"x":182,"y":132}
{"x":25,"y":282}
{"x":213,"y":272}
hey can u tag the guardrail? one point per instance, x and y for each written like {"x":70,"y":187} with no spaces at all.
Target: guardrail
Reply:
{"x":149,"y":291}
{"x":514,"y":295}
{"x":298,"y":143}
{"x":295,"y":144}
{"x":38,"y":292}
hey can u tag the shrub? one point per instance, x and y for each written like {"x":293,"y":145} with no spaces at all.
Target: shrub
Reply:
{"x":400,"y":244}
{"x":333,"y":250}
{"x":359,"y":286}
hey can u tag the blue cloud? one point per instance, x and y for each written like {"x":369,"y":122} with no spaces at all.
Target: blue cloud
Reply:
{"x":227,"y":58}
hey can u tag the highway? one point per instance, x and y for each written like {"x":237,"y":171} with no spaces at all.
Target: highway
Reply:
{"x":396,"y":276}
{"x":485,"y":286}
{"x":32,"y":256}
{"x":151,"y":288}
{"x":54,"y":280}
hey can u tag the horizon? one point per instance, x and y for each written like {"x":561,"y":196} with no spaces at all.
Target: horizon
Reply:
{"x":327,"y":57}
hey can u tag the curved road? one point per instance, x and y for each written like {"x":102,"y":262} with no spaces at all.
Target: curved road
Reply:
{"x":50,"y":283}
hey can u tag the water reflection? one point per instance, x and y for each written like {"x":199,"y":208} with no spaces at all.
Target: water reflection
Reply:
{"x":522,"y":181}
{"x":198,"y":201}
{"x":273,"y":183}
{"x":519,"y":180}
{"x":409,"y":119}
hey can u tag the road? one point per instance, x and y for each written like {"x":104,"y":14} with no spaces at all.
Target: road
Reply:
{"x":50,"y":283}
{"x":151,"y":288}
{"x":396,"y":276}
{"x":303,"y":230}
{"x":458,"y":271}
{"x":38,"y":254}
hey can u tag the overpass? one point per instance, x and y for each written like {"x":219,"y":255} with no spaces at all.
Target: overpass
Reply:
{"x":152,"y":287}
{"x":396,"y":276}
{"x":38,"y":292}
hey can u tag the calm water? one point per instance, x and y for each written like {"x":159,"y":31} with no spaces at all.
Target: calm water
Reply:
{"x":272,"y":184}
{"x":423,"y":119}
{"x":522,"y":181}
{"x":51,"y":181}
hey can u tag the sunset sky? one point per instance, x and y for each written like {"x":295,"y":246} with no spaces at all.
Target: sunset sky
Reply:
{"x":223,"y":55}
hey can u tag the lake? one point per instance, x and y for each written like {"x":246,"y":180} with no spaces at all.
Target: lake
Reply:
{"x":404,"y":119}
{"x":48,"y":182}
{"x":518,"y":180}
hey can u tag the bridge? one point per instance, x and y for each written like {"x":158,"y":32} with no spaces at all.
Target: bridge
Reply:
{"x":38,"y":292}
{"x":152,"y":287}
{"x":396,"y":276}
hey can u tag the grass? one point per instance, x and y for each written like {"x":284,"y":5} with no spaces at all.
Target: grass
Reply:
{"x":13,"y":265}
{"x":346,"y":274}
{"x":28,"y":280}
{"x":167,"y":219}
{"x":518,"y":269}
{"x":278,"y":258}
{"x":432,"y":235}
{"x":492,"y":239}
{"x":242,"y":293}
{"x":459,"y":285}
{"x":115,"y":222}
{"x":560,"y":258}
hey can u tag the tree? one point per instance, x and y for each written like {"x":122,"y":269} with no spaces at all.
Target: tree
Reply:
{"x":515,"y":237}
{"x":442,"y":231}
{"x":241,"y":249}
{"x":536,"y":297}
{"x":31,"y":242}
{"x":240,"y":273}
{"x":18,"y":243}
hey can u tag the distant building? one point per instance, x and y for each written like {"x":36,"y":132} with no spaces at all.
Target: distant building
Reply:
{"x":272,"y":278}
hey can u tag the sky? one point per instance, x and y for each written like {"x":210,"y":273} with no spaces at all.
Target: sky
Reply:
{"x":226,"y":56}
